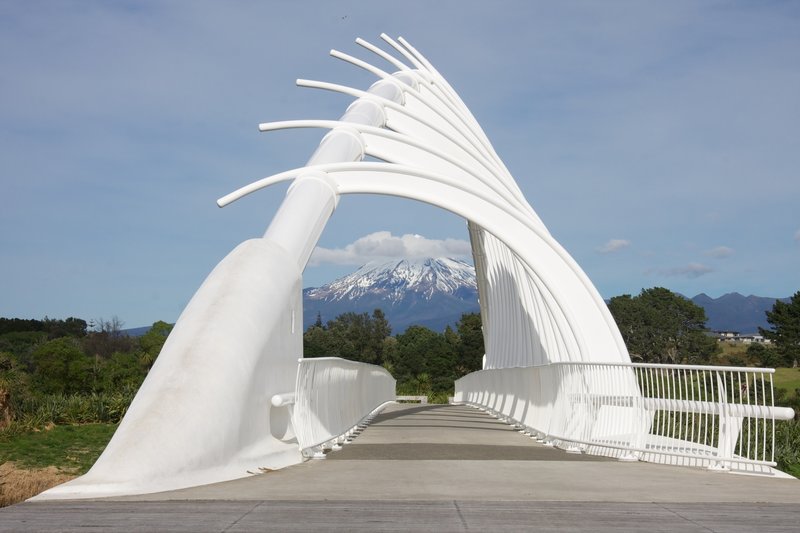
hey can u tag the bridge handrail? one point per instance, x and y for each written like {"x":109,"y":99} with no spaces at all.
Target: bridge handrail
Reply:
{"x":663,"y":366}
{"x":333,"y":396}
{"x":721,"y":417}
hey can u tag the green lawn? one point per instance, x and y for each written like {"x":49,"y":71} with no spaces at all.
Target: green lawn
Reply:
{"x":71,"y":448}
{"x":733,"y":348}
{"x":787,"y":378}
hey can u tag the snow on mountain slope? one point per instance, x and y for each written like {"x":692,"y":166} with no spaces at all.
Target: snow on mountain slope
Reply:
{"x":395,"y":279}
{"x":430,"y":292}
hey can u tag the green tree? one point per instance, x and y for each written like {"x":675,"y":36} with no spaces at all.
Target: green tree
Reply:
{"x":354,"y":336}
{"x":470,"y":349}
{"x":61,"y":367}
{"x":410,"y":356}
{"x":107,"y":339}
{"x":71,"y":327}
{"x":379,"y":331}
{"x":13,"y":385}
{"x":390,"y":354}
{"x":423,"y":351}
{"x":22,"y":344}
{"x":121,"y":371}
{"x":150,"y":343}
{"x":763,"y":355}
{"x":785,"y":332}
{"x":347,"y":336}
{"x":316,"y":342}
{"x":659,"y":326}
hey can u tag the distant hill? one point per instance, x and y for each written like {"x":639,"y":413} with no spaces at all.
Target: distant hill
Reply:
{"x":136,"y":332}
{"x":429,"y":292}
{"x":436,"y":292}
{"x":735,"y":312}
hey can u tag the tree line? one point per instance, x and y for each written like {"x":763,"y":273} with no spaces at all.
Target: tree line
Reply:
{"x":422,"y":360}
{"x":659,"y":326}
{"x":48,"y":358}
{"x":44,"y":361}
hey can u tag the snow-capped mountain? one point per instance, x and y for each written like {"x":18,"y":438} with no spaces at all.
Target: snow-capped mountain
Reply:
{"x":428,"y":292}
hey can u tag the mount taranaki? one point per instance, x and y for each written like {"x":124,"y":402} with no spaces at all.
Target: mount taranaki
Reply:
{"x":427,"y":292}
{"x":435,"y":293}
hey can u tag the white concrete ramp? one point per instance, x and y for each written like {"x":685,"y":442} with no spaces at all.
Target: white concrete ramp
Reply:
{"x":440,"y":452}
{"x":443,"y":468}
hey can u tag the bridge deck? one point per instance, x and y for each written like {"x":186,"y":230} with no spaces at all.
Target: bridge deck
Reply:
{"x":447,"y":468}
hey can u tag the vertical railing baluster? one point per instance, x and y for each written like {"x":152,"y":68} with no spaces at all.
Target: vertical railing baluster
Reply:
{"x":636,"y":410}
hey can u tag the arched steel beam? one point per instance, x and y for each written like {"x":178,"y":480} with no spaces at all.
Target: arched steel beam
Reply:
{"x":470,"y":196}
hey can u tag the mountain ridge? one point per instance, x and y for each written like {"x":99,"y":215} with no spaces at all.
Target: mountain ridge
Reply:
{"x":435,"y":292}
{"x":431,"y":292}
{"x":735,"y":312}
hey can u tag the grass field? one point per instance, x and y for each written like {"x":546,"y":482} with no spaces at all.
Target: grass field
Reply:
{"x":733,"y":348}
{"x":35,"y":461}
{"x":787,"y":378}
{"x":73,"y":449}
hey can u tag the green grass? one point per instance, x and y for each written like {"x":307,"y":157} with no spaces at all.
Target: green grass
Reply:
{"x":72,"y":448}
{"x":733,"y":349}
{"x":787,"y":378}
{"x":787,"y":446}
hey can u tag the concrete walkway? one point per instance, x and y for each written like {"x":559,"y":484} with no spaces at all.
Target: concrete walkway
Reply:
{"x":444,"y":468}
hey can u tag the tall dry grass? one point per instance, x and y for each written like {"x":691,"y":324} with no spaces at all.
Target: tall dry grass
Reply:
{"x":18,"y":484}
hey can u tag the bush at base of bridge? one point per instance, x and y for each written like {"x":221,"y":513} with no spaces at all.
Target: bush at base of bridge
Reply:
{"x":787,"y":446}
{"x":36,"y":412}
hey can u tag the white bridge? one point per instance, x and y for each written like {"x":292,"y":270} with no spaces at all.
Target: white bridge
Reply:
{"x":227,"y":394}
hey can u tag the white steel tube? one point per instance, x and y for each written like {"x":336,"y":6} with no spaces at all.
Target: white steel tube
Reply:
{"x":309,"y":203}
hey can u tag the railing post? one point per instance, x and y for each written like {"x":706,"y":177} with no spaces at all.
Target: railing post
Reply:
{"x":637,"y":411}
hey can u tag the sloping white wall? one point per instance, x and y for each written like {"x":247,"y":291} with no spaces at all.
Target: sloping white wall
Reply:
{"x":204,"y":414}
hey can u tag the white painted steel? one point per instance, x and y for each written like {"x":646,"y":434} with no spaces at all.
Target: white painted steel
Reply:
{"x":505,"y":282}
{"x":204,"y":412}
{"x":718,"y":417}
{"x":333,"y":396}
{"x":217,"y":403}
{"x":577,"y":315}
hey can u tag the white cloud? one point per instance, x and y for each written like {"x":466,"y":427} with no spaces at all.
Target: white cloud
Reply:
{"x":383,"y":246}
{"x":614,"y":245}
{"x":719,"y":252}
{"x":692,"y":270}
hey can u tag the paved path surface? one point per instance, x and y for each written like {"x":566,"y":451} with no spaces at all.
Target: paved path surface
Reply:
{"x":443,"y":468}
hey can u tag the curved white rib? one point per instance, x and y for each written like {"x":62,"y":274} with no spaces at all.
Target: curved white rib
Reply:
{"x":478,"y":141}
{"x":478,"y":146}
{"x":335,"y":169}
{"x":237,"y":343}
{"x":405,"y":112}
{"x":380,"y":53}
{"x":426,"y":65}
{"x":400,"y":141}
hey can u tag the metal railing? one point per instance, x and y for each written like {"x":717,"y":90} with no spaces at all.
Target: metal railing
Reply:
{"x":717,"y":417}
{"x":332,"y":398}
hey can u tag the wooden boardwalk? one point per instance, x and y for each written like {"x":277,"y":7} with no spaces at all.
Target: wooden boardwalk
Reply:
{"x":443,"y":468}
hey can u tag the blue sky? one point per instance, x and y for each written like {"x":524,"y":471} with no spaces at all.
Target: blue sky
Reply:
{"x":658,"y":141}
